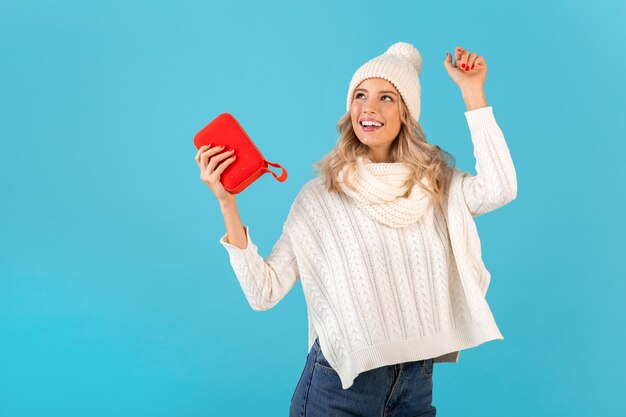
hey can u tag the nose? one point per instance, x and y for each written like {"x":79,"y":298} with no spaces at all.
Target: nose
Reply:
{"x":370,"y":105}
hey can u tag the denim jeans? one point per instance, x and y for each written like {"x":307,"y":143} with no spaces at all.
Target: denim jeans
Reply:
{"x":399,"y":390}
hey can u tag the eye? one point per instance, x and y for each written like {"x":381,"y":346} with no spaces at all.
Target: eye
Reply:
{"x":357,"y":95}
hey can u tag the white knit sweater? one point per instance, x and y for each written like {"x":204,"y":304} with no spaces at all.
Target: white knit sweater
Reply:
{"x":378,"y":295}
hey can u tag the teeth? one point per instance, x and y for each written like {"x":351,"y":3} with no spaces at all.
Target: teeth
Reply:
{"x":369,"y":123}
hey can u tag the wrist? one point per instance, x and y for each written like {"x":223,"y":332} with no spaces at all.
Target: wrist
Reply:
{"x":474,"y":98}
{"x":472,"y":92}
{"x":227,"y":205}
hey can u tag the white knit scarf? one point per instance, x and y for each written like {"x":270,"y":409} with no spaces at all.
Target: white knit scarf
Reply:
{"x":380,"y":192}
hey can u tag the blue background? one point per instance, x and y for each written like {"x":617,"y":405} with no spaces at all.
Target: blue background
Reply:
{"x":116,"y":298}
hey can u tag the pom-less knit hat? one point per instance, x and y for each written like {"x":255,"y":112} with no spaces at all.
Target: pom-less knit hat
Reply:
{"x":401,"y":65}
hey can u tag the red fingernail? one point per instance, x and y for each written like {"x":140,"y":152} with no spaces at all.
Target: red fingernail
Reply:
{"x":472,"y":66}
{"x":462,"y":65}
{"x":467,"y":69}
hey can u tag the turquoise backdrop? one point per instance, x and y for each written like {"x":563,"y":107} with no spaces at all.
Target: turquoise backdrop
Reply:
{"x":116,"y":298}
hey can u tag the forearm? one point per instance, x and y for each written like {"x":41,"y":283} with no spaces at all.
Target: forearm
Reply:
{"x":474,"y":99}
{"x":263,"y":281}
{"x":236,"y":234}
{"x":495,"y":182}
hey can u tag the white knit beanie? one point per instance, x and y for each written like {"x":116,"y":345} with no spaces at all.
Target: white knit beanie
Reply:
{"x":401,"y":65}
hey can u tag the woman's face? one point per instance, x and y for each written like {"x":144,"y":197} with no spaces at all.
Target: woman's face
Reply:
{"x":376,"y":99}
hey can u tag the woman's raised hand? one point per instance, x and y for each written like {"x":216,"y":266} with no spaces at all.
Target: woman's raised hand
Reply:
{"x":208,"y":158}
{"x":468,"y":71}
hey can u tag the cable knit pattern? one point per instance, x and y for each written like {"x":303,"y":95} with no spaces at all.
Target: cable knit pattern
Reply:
{"x":378,"y":294}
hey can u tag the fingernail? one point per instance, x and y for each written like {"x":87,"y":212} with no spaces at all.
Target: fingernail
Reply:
{"x":462,"y":65}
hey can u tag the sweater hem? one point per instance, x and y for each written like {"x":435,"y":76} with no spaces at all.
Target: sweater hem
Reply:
{"x":446,"y":344}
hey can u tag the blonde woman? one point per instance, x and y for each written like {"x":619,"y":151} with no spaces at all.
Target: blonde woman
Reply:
{"x":384,"y":243}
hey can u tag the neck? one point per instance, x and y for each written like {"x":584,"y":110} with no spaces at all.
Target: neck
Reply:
{"x":379,"y":155}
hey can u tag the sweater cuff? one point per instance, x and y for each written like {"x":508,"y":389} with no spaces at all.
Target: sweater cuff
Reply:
{"x":235,"y":250}
{"x":480,"y":119}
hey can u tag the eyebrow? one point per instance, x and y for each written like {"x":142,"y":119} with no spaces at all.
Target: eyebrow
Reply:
{"x":363,"y":89}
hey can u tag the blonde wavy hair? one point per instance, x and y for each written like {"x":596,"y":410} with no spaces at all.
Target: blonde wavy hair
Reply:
{"x":409,"y":146}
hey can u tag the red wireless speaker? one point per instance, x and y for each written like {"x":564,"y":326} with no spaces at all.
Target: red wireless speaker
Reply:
{"x":249,"y":164}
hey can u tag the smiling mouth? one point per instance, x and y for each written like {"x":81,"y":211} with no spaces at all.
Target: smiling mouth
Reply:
{"x":370,"y":128}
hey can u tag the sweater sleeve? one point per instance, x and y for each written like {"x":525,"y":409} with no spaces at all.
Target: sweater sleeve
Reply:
{"x":264,"y":282}
{"x":495,"y":182}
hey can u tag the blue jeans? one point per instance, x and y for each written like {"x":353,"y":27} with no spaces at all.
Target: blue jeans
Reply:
{"x":403,"y":389}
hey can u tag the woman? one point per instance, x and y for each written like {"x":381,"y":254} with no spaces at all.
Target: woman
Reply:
{"x":384,"y":243}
